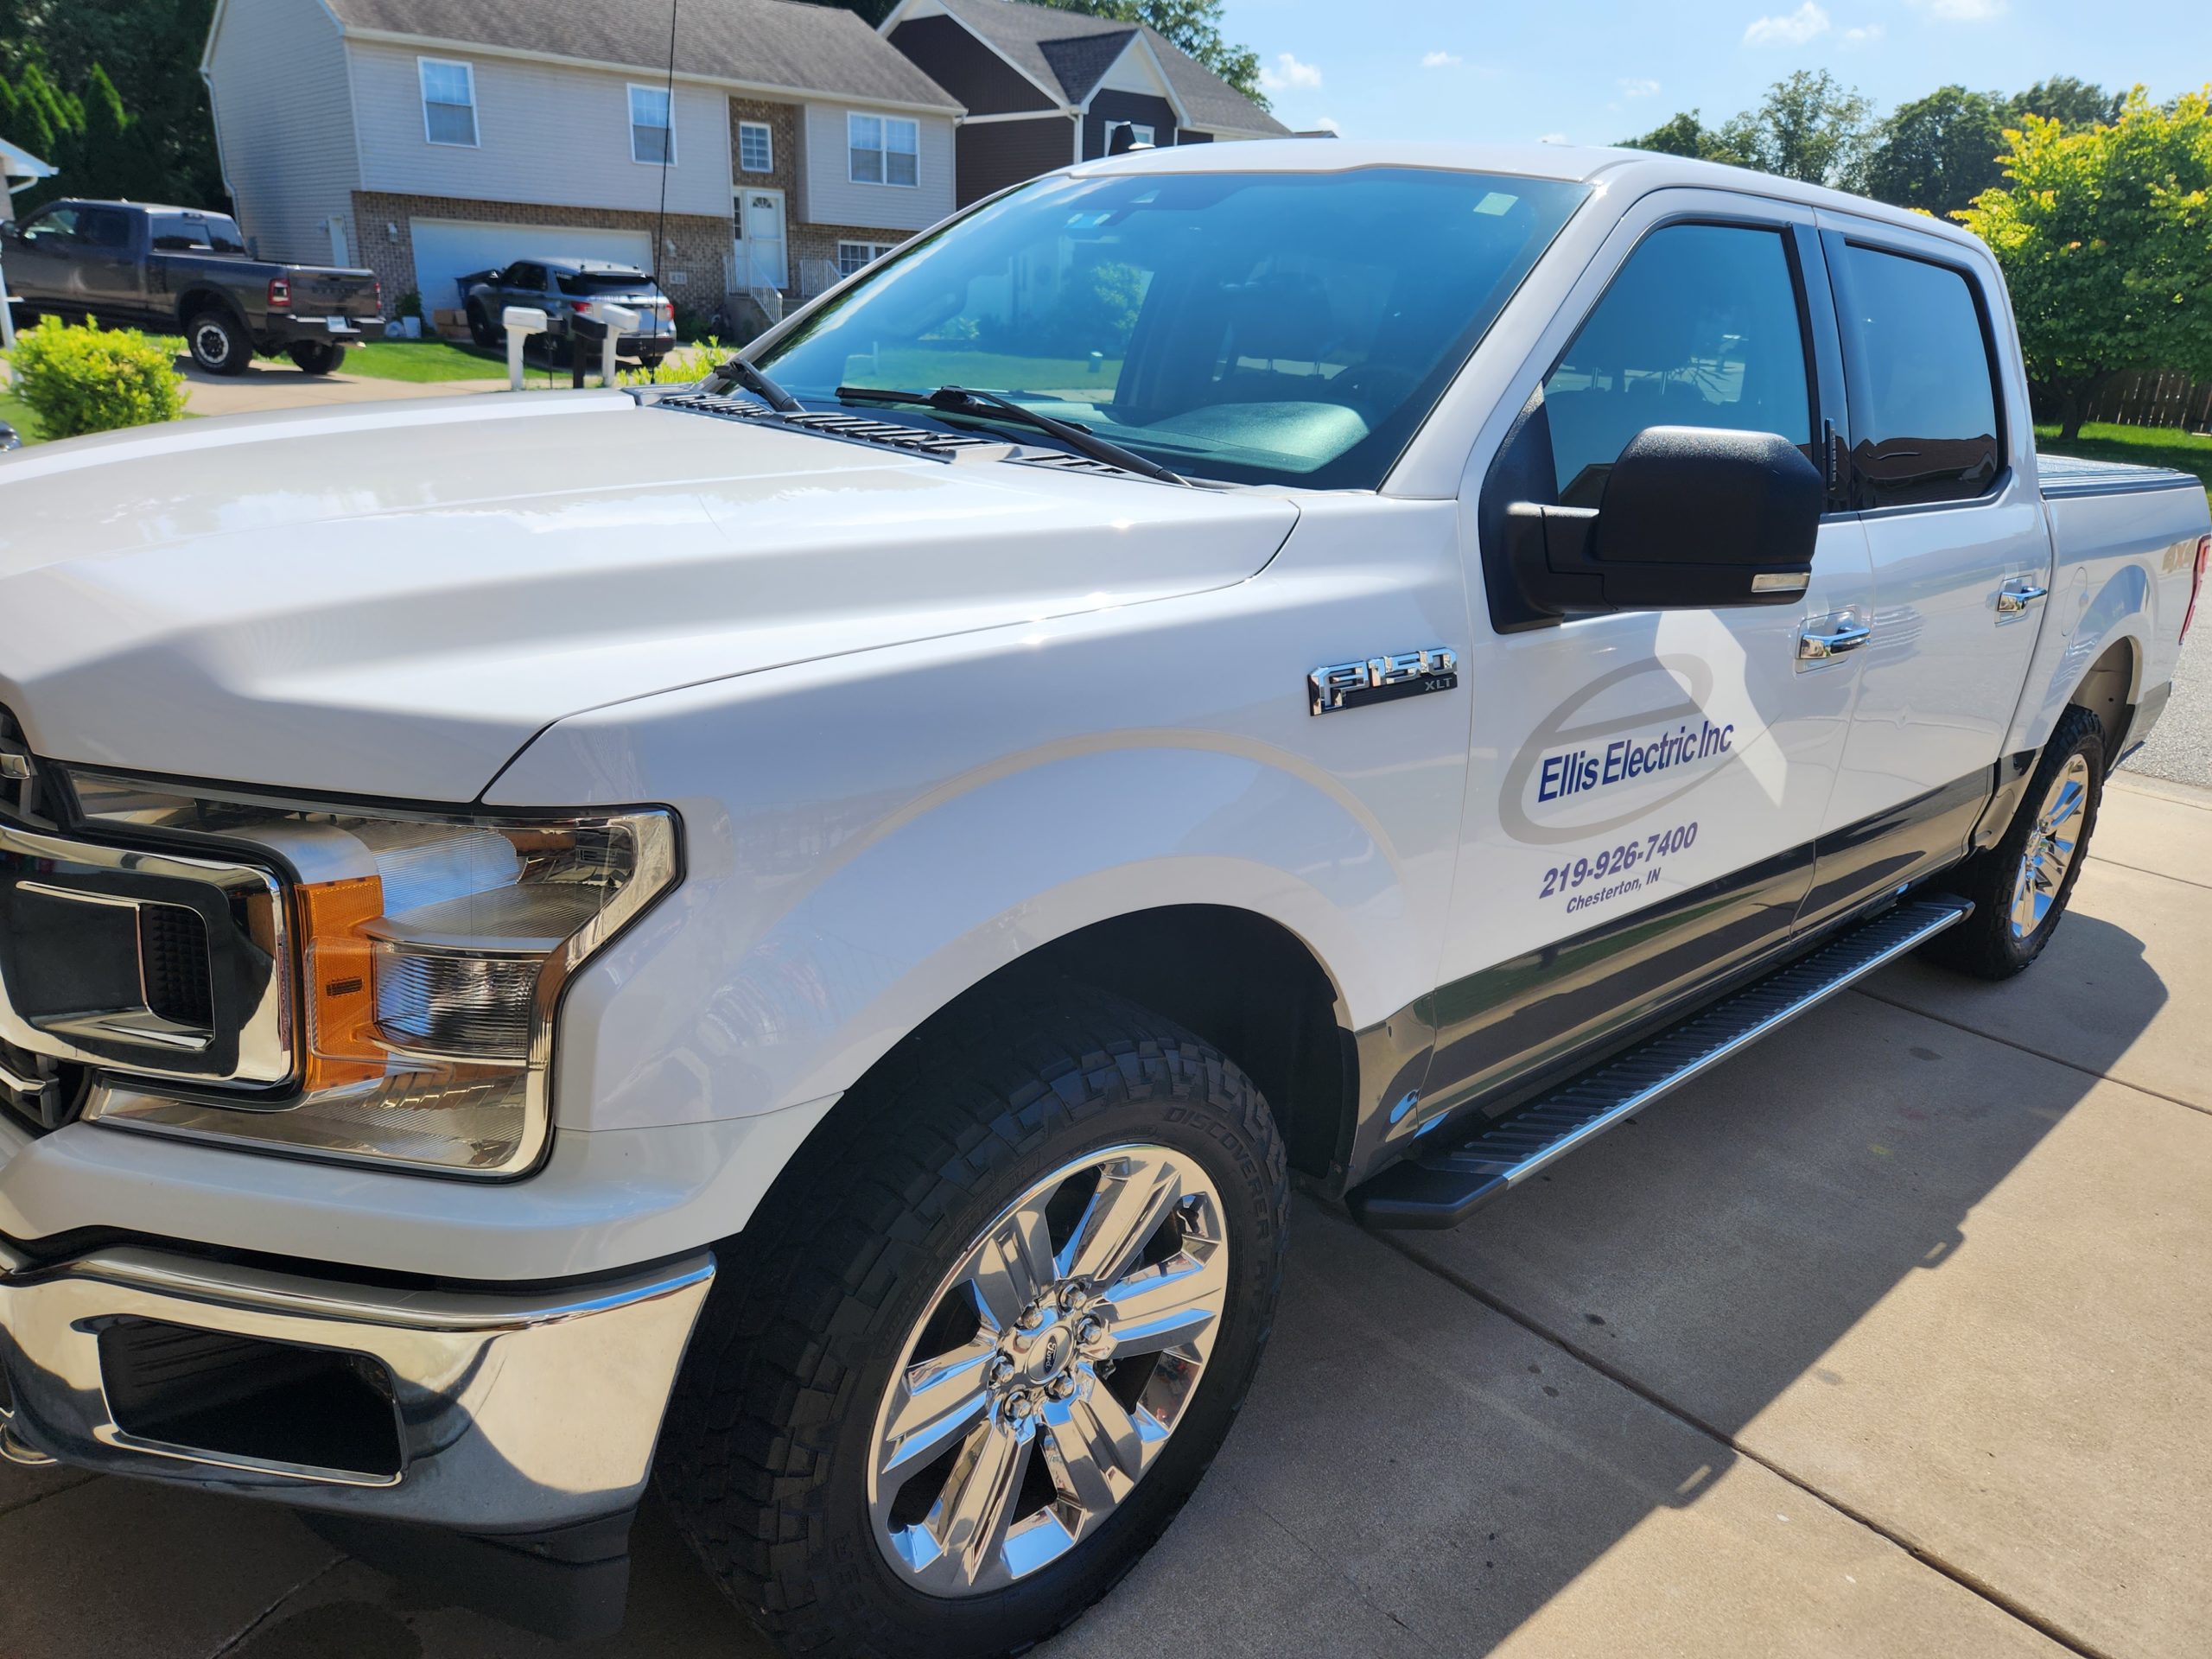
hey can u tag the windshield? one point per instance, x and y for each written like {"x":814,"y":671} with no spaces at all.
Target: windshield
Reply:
{"x":200,"y":232}
{"x":1261,"y":327}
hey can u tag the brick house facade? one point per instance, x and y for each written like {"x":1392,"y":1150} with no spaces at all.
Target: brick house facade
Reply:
{"x":694,"y":252}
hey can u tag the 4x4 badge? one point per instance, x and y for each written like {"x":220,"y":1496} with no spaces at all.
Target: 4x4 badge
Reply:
{"x":1380,"y":679}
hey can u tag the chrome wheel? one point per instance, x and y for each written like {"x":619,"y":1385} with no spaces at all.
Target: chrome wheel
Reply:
{"x":1049,"y":1370}
{"x":2051,"y":844}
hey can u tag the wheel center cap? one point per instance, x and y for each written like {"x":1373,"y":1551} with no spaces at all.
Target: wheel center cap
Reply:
{"x":1041,"y":1355}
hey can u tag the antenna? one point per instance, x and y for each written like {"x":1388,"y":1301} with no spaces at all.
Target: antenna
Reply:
{"x":667,"y":159}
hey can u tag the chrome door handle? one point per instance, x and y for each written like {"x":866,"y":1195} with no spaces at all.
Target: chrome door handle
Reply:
{"x":1816,"y":644}
{"x":2015,"y":597}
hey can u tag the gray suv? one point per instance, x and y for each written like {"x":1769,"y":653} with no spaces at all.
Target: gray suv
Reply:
{"x":573,"y":294}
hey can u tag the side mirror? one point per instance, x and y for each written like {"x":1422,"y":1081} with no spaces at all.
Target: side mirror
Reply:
{"x":10,"y":230}
{"x":1691,"y":518}
{"x":10,"y":438}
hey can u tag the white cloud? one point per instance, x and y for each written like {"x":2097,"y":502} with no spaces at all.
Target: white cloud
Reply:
{"x":1865,"y":36}
{"x":1441,"y":60}
{"x":1328,"y":124}
{"x":1553,"y":138}
{"x":1633,"y":88}
{"x":1287,"y":73}
{"x":1807,"y":22}
{"x":1963,"y":11}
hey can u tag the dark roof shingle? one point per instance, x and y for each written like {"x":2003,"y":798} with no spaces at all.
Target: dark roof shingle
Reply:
{"x":1073,"y":50}
{"x":781,"y":43}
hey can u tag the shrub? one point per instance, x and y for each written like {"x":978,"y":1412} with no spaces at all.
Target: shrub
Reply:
{"x":86,"y":380}
{"x":680,"y":367}
{"x":410,"y":305}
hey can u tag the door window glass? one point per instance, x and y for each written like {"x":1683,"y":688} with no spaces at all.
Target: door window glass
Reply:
{"x":55,"y":224}
{"x":206,"y":233}
{"x":104,"y":228}
{"x":1923,"y":390}
{"x":1700,"y":328}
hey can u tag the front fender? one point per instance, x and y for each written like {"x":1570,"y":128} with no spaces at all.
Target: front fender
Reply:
{"x":868,"y":837}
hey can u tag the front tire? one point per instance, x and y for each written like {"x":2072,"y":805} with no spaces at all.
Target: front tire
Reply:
{"x":218,"y":343}
{"x":480,"y":328}
{"x":977,"y":1348}
{"x":2020,"y":887}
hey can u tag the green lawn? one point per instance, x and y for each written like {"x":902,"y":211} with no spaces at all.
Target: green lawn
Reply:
{"x":421,"y":361}
{"x":2146,"y":446}
{"x":17,"y":414}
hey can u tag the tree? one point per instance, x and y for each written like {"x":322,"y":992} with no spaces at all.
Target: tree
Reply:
{"x":2069,"y":102}
{"x":1808,"y":127}
{"x":1937,"y":153}
{"x":1686,"y":134}
{"x":2104,"y":234}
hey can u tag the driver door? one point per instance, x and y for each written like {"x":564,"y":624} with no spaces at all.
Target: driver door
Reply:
{"x":1645,"y":789}
{"x":41,"y":258}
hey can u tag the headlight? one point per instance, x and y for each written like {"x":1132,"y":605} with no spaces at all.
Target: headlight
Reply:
{"x":430,"y":955}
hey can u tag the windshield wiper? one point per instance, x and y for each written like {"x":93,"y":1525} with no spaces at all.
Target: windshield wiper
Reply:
{"x":960,"y":400}
{"x":761,"y":386}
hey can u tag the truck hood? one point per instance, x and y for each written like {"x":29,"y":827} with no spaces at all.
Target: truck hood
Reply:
{"x":392,"y":599}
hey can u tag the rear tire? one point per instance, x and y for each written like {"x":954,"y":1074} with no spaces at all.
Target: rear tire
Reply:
{"x":219,"y":343}
{"x":2020,"y":887}
{"x":479,"y":326}
{"x":780,"y":1457}
{"x":316,"y":356}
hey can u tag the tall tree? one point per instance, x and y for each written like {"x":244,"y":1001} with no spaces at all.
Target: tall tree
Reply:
{"x":1939,"y":152}
{"x":2104,"y":234}
{"x":1809,"y":126}
{"x":2069,"y":102}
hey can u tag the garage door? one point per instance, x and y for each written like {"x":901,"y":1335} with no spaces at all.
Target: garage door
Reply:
{"x":446,"y":249}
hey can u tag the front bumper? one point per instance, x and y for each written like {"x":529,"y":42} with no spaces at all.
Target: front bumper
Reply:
{"x":508,"y":1412}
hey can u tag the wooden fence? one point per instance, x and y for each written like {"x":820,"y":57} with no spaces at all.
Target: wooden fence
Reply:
{"x":2153,"y":400}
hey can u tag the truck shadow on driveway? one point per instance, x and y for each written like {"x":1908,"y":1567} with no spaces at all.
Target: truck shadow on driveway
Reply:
{"x":1448,"y":1434}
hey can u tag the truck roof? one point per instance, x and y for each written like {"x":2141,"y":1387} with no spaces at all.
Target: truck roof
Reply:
{"x":1633,"y":171}
{"x":137,"y":206}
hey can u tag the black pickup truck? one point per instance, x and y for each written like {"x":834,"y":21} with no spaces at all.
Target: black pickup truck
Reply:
{"x":130,"y":265}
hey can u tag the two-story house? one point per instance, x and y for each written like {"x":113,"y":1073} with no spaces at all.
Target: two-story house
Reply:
{"x":426,"y":139}
{"x":1044,"y":87}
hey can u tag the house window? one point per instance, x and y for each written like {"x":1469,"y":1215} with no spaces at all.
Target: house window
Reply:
{"x":756,"y":147}
{"x":448,"y":101}
{"x":884,"y":148}
{"x":1139,"y":133}
{"x":858,"y":255}
{"x":652,"y":136}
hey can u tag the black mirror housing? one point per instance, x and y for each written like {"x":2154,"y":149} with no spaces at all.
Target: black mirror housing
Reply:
{"x":1691,"y":518}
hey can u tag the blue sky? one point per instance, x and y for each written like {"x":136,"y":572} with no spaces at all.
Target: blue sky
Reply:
{"x":1593,"y":73}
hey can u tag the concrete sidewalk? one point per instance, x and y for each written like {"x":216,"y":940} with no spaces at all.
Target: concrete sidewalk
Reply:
{"x":272,"y":386}
{"x":1888,"y":1338}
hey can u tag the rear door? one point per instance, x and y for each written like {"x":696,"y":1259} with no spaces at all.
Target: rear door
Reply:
{"x":1940,"y":459}
{"x":110,"y":273}
{"x":1645,"y":789}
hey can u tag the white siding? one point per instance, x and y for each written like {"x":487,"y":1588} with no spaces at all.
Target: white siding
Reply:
{"x":828,"y":196}
{"x":546,"y":133}
{"x":277,"y":75}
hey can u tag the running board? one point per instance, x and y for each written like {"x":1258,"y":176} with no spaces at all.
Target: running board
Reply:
{"x":1444,"y":1187}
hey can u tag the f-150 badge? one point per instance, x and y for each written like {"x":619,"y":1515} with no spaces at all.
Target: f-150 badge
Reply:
{"x":1380,"y":679}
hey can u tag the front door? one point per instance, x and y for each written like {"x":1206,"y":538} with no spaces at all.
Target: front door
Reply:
{"x":1645,"y":789}
{"x":760,"y":241}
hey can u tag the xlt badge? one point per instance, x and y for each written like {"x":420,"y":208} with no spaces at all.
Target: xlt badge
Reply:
{"x":1380,"y":679}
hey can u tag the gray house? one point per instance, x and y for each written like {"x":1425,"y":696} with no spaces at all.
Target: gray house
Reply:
{"x":429,"y":139}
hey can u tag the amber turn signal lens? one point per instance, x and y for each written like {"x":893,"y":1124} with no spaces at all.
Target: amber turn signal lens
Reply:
{"x":339,"y":960}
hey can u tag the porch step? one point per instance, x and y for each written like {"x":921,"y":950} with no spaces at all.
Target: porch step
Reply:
{"x":1443,"y":1187}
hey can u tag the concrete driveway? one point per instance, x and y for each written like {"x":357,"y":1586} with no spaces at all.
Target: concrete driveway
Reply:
{"x":1888,"y":1338}
{"x":270,"y":384}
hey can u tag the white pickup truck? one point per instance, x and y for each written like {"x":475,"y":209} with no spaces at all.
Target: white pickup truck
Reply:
{"x":791,"y":934}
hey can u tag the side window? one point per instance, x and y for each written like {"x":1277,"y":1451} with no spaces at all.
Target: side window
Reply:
{"x":1700,"y":327}
{"x":1923,"y":389}
{"x":55,"y":224}
{"x":104,"y":228}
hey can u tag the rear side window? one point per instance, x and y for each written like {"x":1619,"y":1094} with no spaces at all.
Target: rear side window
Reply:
{"x":605,"y":281}
{"x":104,"y":228}
{"x":203,"y":232}
{"x":1700,"y":327}
{"x":1924,"y":386}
